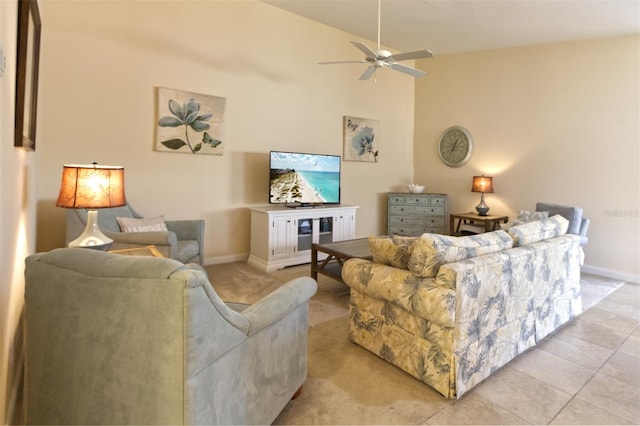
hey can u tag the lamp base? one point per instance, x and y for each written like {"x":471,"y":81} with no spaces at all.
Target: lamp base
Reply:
{"x":92,"y":237}
{"x":482,"y":208}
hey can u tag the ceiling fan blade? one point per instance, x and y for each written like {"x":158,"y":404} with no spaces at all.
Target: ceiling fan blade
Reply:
{"x":407,"y":70}
{"x":343,"y":62}
{"x":412,"y":55}
{"x":364,"y":48}
{"x":366,"y":75}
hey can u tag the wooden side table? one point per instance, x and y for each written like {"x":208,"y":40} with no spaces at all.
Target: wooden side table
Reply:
{"x":489,"y":222}
{"x":149,"y":250}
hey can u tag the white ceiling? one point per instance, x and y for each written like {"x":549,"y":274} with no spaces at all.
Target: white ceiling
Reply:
{"x":451,"y":26}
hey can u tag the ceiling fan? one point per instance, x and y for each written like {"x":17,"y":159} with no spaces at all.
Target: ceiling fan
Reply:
{"x":383,"y":58}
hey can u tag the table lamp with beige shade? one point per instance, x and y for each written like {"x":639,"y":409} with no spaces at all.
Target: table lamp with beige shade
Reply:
{"x":91,"y":187}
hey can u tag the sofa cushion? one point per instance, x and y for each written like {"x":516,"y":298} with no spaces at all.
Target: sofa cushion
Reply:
{"x":129,"y":224}
{"x":532,"y":232}
{"x":392,"y":250}
{"x":527,"y":216}
{"x":433,"y":250}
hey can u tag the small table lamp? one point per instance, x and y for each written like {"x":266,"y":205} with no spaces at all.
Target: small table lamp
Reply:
{"x":482,"y":184}
{"x":91,"y":187}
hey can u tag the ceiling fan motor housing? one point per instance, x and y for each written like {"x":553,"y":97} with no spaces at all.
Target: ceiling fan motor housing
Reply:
{"x":382,"y":54}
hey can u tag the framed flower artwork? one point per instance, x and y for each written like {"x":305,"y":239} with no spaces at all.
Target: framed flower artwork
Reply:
{"x":360,"y":139}
{"x":191,"y":123}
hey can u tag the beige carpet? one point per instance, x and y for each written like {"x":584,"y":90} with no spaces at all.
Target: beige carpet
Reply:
{"x":347,"y":384}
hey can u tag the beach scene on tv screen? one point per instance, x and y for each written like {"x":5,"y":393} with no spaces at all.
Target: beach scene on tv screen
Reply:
{"x":304,"y":178}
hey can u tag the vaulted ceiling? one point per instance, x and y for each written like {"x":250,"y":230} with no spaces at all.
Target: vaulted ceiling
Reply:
{"x":451,"y":26}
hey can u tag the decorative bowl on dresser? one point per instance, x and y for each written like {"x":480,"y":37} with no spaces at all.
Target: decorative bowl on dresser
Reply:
{"x":415,"y":188}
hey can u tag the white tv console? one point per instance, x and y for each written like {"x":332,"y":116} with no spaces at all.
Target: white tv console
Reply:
{"x":282,"y":236}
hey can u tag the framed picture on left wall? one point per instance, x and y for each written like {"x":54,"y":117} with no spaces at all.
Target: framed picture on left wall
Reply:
{"x":28,"y":58}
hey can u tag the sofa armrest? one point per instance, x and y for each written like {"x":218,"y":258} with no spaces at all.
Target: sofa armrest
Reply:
{"x":158,"y":238}
{"x":584,"y":227}
{"x":279,"y":303}
{"x":187,"y":229}
{"x":424,"y":297}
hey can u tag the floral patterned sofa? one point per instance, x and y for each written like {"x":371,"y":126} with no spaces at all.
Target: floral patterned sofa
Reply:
{"x":452,"y":310}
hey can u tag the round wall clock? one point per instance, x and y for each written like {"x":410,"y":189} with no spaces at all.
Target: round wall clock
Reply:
{"x":455,"y":146}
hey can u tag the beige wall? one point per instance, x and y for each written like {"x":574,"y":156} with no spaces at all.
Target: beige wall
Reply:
{"x":102,"y":61}
{"x":555,"y":123}
{"x":17,"y":220}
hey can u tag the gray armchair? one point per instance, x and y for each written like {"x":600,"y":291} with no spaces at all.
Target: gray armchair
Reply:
{"x":184,"y":240}
{"x":578,"y":224}
{"x":116,"y":339}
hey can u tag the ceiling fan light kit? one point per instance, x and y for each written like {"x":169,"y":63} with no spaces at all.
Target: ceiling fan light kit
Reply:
{"x":381,"y":58}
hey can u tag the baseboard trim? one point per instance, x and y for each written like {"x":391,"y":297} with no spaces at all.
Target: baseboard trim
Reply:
{"x":610,"y":273}
{"x":226,"y":259}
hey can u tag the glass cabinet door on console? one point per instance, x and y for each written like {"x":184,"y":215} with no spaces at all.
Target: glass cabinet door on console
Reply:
{"x":314,"y":229}
{"x":325,"y":232}
{"x":305,"y":233}
{"x":318,"y":230}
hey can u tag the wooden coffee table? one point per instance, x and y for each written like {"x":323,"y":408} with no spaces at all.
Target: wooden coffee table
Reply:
{"x":486,"y":223}
{"x":337,"y":254}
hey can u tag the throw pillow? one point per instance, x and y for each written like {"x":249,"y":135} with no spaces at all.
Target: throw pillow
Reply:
{"x":527,"y":216}
{"x":131,"y":224}
{"x":539,"y":230}
{"x":392,"y":250}
{"x":524,"y":216}
{"x":433,"y":250}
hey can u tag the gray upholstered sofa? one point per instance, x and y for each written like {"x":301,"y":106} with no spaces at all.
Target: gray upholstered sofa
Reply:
{"x":141,"y":340}
{"x":452,"y":310}
{"x":183,"y":240}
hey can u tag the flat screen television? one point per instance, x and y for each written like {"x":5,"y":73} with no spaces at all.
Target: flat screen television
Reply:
{"x":299,"y":179}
